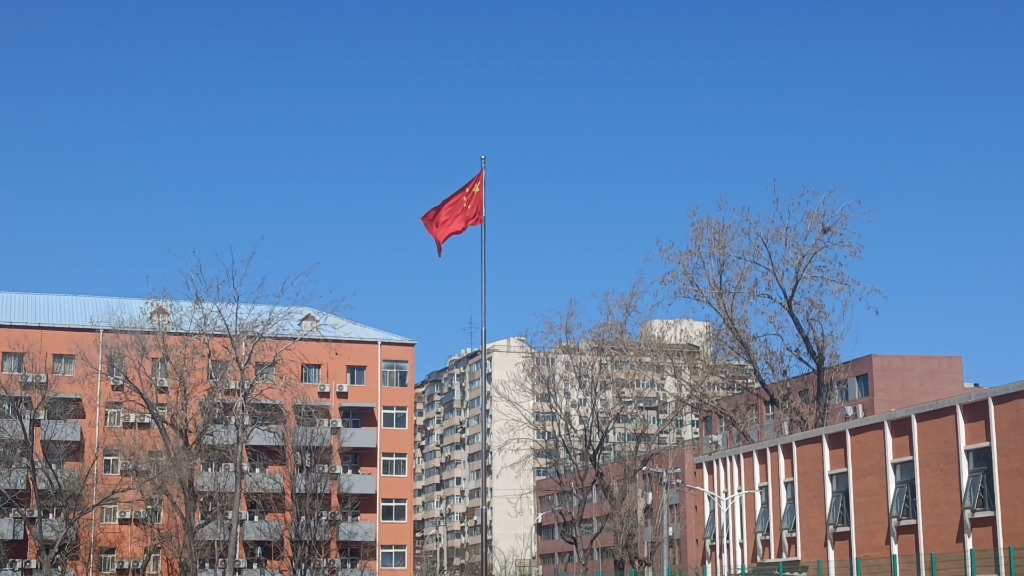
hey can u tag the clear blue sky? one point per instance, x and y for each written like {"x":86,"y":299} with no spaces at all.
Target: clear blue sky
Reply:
{"x":132,"y":134}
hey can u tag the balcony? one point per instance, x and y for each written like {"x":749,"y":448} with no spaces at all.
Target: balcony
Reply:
{"x":312,"y":483}
{"x":262,"y":531}
{"x":357,"y":437}
{"x":264,"y":483}
{"x":215,"y":481}
{"x":216,"y":531}
{"x":61,"y":431}
{"x":311,"y":531}
{"x":312,"y":436}
{"x":357,"y":572}
{"x":12,"y":529}
{"x":11,"y":429}
{"x":260,"y":572}
{"x":55,"y":529}
{"x":68,"y":481}
{"x":357,"y":484}
{"x":221,"y":435}
{"x":13,"y":479}
{"x":266,"y":436}
{"x":357,"y":532}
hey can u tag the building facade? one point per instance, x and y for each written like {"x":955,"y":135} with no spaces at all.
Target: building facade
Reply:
{"x":449,"y":468}
{"x":334,"y":418}
{"x":929,"y":489}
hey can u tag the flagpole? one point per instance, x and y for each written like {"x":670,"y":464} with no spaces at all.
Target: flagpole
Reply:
{"x":484,"y":500}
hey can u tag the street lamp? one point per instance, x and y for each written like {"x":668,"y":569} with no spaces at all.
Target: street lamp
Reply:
{"x":663,"y":473}
{"x":722,"y":502}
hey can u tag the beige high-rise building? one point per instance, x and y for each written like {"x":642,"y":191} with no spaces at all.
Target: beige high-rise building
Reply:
{"x":448,"y":468}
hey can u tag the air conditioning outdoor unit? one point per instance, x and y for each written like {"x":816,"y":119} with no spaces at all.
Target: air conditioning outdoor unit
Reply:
{"x":323,"y":468}
{"x":161,"y":383}
{"x":323,"y":388}
{"x":325,"y":515}
{"x":13,"y":565}
{"x":123,"y":564}
{"x":125,"y":467}
{"x":336,"y":469}
{"x":342,"y":388}
{"x":323,"y":423}
{"x":860,"y":410}
{"x":124,"y":514}
{"x":39,"y":415}
{"x":335,"y":516}
{"x":128,"y":418}
{"x":222,"y":563}
{"x":31,"y":513}
{"x":231,"y":385}
{"x":136,"y":564}
{"x":30,"y":564}
{"x":140,"y":514}
{"x":336,"y":423}
{"x":715,"y":439}
{"x":337,"y":562}
{"x":227,"y":467}
{"x":239,"y":563}
{"x":145,"y":419}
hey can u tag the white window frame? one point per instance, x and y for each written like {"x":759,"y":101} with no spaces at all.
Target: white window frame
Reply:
{"x":393,"y":551}
{"x":394,"y":412}
{"x":393,"y":458}
{"x":155,"y":564}
{"x":393,"y":375}
{"x":111,"y":465}
{"x":17,"y":358}
{"x":394,"y":504}
{"x":65,"y":363}
{"x":108,"y":514}
{"x":114,"y":413}
{"x":308,"y":369}
{"x":352,"y":370}
{"x":108,"y":563}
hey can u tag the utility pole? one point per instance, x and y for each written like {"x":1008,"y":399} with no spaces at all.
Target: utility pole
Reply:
{"x":663,"y":476}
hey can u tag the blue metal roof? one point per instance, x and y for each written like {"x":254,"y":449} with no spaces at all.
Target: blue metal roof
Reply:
{"x":102,"y":312}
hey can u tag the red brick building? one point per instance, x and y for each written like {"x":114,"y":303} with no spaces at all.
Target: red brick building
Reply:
{"x":892,"y":490}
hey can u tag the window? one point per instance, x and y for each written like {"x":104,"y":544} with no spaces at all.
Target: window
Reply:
{"x":63,"y":365}
{"x":155,"y":562}
{"x":113,"y":415}
{"x":711,"y":526}
{"x":357,"y":375}
{"x":839,"y":506}
{"x":978,"y":493}
{"x":396,"y":417}
{"x":159,"y":368}
{"x":111,"y":465}
{"x":763,"y":515}
{"x":904,"y":497}
{"x":310,"y":373}
{"x":863,"y":388}
{"x":544,"y":416}
{"x":155,"y":511}
{"x":351,"y":419}
{"x":115,"y":367}
{"x":392,"y":557}
{"x":396,"y":374}
{"x":108,"y":514}
{"x":108,"y":560}
{"x":708,"y":427}
{"x":395,"y":465}
{"x":393,"y":509}
{"x":266,"y":372}
{"x":789,"y":514}
{"x":805,"y":396}
{"x":349,"y":558}
{"x":218,"y":370}
{"x":13,"y":363}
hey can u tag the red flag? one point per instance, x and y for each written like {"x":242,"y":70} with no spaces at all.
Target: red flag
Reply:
{"x":459,"y":211}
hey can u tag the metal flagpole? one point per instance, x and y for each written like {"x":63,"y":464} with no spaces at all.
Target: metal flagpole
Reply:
{"x":484,"y":500}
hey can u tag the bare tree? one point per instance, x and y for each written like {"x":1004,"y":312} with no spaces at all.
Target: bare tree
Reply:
{"x":779,"y":289}
{"x":599,"y":399}
{"x":51,"y":485}
{"x":200,"y":374}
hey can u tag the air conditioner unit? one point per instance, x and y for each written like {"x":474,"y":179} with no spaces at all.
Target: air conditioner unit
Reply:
{"x":337,"y":563}
{"x":116,"y":382}
{"x":323,"y":468}
{"x":13,"y":565}
{"x":231,"y":385}
{"x":31,"y":513}
{"x":140,"y":514}
{"x":222,"y":563}
{"x":715,"y":439}
{"x":324,"y":515}
{"x":123,"y":564}
{"x":860,"y":410}
{"x":145,"y":418}
{"x":125,"y":466}
{"x":124,"y":514}
{"x":161,"y":383}
{"x":785,"y":427}
{"x":136,"y":564}
{"x":39,"y":415}
{"x":323,"y":423}
{"x":30,"y":564}
{"x":227,"y":467}
{"x":239,"y":563}
{"x":336,"y":423}
{"x":342,"y":388}
{"x":128,"y":418}
{"x":335,"y":516}
{"x":323,"y":388}
{"x":336,"y":469}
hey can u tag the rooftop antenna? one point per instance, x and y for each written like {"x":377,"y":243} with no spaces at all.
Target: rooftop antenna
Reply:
{"x":471,"y":329}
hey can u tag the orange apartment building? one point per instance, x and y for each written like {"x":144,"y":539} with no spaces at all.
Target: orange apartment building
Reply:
{"x":347,"y":385}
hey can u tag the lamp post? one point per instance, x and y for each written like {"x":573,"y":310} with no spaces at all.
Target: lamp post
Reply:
{"x":663,"y":474}
{"x":722,"y":502}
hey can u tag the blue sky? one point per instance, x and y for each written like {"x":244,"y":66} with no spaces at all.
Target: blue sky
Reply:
{"x":132,"y":134}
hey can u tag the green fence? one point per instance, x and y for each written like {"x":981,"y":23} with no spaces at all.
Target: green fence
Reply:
{"x":976,"y":563}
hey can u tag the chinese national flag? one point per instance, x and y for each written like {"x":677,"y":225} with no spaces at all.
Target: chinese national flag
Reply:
{"x":459,"y":211}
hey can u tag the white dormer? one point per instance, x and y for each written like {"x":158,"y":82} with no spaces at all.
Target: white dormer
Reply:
{"x":309,"y":323}
{"x":160,"y":316}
